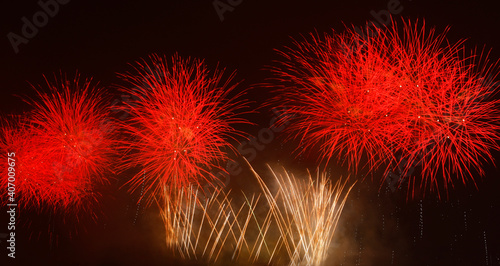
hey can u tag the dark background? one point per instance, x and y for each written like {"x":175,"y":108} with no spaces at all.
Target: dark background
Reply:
{"x":99,"y":38}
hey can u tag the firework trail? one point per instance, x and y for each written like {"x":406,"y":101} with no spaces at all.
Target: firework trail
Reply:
{"x":294,"y":225}
{"x":64,"y":146}
{"x":335,"y":99}
{"x":181,"y":122}
{"x":306,"y":213}
{"x":398,"y":90}
{"x":203,"y":229}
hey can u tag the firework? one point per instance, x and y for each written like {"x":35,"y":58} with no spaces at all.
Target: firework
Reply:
{"x":181,"y":122}
{"x":306,"y":213}
{"x":338,"y":99}
{"x":63,"y":146}
{"x":450,"y":122}
{"x":204,"y":227}
{"x":394,"y":91}
{"x":16,"y":137}
{"x":293,"y":225}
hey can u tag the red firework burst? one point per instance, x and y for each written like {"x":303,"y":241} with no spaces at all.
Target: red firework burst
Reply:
{"x":64,"y":148}
{"x":339,"y":98}
{"x":449,"y":125}
{"x":394,"y":91}
{"x":17,"y":139}
{"x":182,"y":118}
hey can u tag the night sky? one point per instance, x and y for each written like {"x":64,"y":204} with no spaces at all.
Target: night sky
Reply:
{"x":380,"y":225}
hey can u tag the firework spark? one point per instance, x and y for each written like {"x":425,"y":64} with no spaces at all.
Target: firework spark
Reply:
{"x":203,"y":229}
{"x":394,"y":91}
{"x":306,"y":212}
{"x":64,"y":145}
{"x":182,"y":118}
{"x":294,"y":225}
